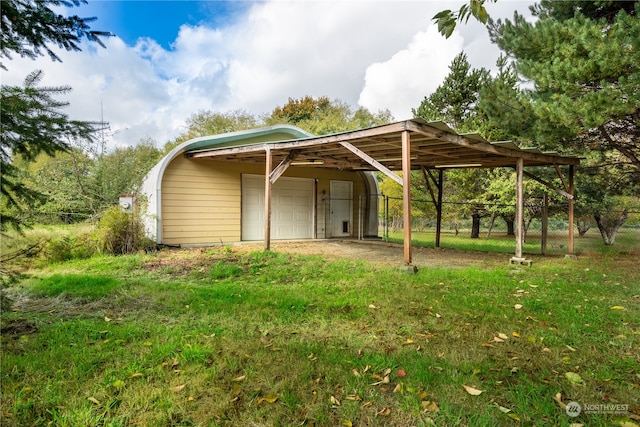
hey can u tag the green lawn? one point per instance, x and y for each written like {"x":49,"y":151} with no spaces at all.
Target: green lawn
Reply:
{"x":226,"y":336}
{"x":627,"y":242}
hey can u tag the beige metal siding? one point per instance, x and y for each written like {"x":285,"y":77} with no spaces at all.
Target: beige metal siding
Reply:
{"x":200,"y":202}
{"x":201,"y":199}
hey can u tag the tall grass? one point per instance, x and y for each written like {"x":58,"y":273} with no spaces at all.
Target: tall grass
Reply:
{"x":267,"y":338}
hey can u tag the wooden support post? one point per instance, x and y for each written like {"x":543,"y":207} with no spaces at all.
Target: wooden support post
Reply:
{"x":571,"y":214}
{"x":267,"y":199}
{"x":439,"y":207}
{"x":545,"y":224}
{"x":519,"y":207}
{"x":406,"y":195}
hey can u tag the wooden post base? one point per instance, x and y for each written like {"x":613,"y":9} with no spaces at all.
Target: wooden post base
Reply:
{"x":521,"y":261}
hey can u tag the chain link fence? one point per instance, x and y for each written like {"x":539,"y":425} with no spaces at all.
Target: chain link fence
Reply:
{"x":491,"y":227}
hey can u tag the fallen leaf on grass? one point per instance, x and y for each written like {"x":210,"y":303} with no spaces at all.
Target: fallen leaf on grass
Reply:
{"x":135,"y":375}
{"x":429,"y":406}
{"x":177,"y":388}
{"x":503,"y":336}
{"x":268,"y":399}
{"x":334,"y":401}
{"x":618,"y":307}
{"x":472,"y":391}
{"x":518,"y":306}
{"x":625,"y":422}
{"x":118,"y":384}
{"x":93,"y":400}
{"x":347,"y":423}
{"x":238,"y":379}
{"x":401,"y":373}
{"x":385,"y":412}
{"x":515,"y":334}
{"x":558,"y":398}
{"x":574,"y":378}
{"x":496,"y":339}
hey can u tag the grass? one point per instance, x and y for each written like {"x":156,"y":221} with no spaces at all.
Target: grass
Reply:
{"x":226,"y":336}
{"x":627,"y":241}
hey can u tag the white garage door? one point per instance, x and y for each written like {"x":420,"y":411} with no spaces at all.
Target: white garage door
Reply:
{"x":291,"y":208}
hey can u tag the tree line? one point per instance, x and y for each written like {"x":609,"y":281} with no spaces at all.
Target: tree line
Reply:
{"x":567,"y":82}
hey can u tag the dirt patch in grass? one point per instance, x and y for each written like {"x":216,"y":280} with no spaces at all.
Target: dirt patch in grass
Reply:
{"x":392,"y":254}
{"x":182,"y":261}
{"x":18,"y":327}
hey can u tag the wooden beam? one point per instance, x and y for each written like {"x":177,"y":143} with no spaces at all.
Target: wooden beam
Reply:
{"x":373,"y":162}
{"x":439,"y":207}
{"x":406,"y":195}
{"x":267,"y":199}
{"x":283,"y":166}
{"x":487,"y":147}
{"x":519,"y":207}
{"x":427,"y":177}
{"x":551,"y":186}
{"x":561,"y":176}
{"x":571,"y":208}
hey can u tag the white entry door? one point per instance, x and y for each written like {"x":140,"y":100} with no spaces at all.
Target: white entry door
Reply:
{"x":292,"y":212}
{"x":341,"y":208}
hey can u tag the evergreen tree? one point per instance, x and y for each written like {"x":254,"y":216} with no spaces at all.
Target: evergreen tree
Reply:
{"x":455,"y":100}
{"x":582,"y":64}
{"x":31,"y":122}
{"x":585,"y":71}
{"x":29,"y":28}
{"x":31,"y":118}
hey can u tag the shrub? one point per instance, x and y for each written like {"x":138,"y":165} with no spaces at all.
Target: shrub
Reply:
{"x":120,"y":232}
{"x":66,"y":248}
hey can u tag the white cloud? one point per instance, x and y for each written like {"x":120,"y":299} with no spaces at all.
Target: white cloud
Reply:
{"x":401,"y":82}
{"x":380,"y":54}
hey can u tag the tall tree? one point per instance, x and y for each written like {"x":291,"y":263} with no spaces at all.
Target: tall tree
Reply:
{"x":31,"y":118}
{"x":30,"y":29}
{"x":585,"y":71}
{"x":205,"y":122}
{"x":455,"y":100}
{"x":321,"y":116}
{"x":582,"y":62}
{"x":31,"y":122}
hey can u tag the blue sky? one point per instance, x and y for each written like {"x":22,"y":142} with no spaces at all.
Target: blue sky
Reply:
{"x":172,"y":59}
{"x":158,"y":19}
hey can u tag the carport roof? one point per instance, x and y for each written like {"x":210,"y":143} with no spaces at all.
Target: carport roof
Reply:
{"x":432,"y":145}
